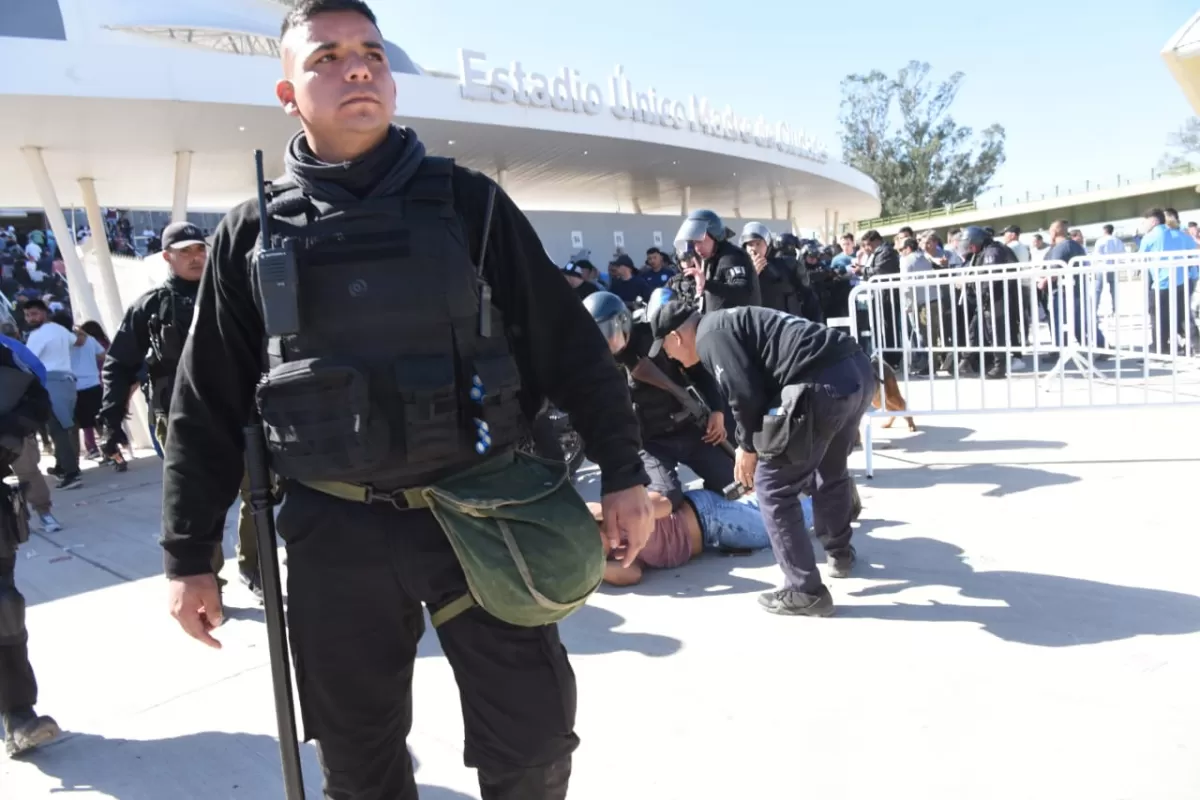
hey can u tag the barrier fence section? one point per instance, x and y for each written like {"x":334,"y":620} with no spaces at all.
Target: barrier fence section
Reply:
{"x":1101,"y":332}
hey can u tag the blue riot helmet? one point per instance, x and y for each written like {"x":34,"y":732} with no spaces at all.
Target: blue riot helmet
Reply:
{"x":698,"y":225}
{"x":756,"y":230}
{"x":612,"y":316}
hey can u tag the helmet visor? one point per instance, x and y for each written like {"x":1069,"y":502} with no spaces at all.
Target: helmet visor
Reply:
{"x":610,"y":327}
{"x":691,"y":231}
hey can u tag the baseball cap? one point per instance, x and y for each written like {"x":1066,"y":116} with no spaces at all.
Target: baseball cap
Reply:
{"x":666,"y":312}
{"x":622,"y":261}
{"x":1013,"y":229}
{"x":178,"y":235}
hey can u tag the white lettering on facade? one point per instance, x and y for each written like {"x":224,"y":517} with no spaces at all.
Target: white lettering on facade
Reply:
{"x":567,"y":92}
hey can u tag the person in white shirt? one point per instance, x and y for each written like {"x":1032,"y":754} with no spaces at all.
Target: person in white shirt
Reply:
{"x":1040,"y":248}
{"x":1107,"y":245}
{"x":1012,"y":238}
{"x":52,"y":344}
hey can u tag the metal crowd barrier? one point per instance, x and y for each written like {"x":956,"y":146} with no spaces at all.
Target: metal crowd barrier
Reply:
{"x":1101,"y":332}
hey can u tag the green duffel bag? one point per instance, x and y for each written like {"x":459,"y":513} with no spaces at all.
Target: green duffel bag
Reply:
{"x":530,"y":549}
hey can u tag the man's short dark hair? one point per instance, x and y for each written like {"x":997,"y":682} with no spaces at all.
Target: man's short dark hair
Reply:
{"x":1108,"y":229}
{"x":305,"y":10}
{"x":907,"y":231}
{"x":37,"y":303}
{"x":872,"y":236}
{"x":954,"y":232}
{"x":847,"y":235}
{"x":1157,"y":215}
{"x":1170,"y":212}
{"x":909,"y":244}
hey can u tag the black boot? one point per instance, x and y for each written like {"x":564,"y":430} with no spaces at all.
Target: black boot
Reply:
{"x":538,"y":783}
{"x":251,"y":581}
{"x":24,"y":730}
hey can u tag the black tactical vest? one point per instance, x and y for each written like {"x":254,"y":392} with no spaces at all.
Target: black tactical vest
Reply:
{"x":392,"y":380}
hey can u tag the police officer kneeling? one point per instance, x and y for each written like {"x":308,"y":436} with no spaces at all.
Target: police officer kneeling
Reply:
{"x":797,"y":391}
{"x":669,"y":436}
{"x":409,"y":324}
{"x":24,"y":409}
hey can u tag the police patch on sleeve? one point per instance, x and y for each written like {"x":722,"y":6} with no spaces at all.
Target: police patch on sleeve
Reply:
{"x":737,"y":272}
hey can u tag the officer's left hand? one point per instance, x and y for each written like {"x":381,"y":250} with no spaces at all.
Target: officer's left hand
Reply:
{"x":743,"y":468}
{"x":715,"y":434}
{"x":628,"y":520}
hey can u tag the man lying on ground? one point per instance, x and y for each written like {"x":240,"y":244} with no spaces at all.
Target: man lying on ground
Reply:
{"x":704,"y":521}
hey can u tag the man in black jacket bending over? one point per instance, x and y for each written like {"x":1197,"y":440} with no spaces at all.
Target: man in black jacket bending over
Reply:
{"x":798,"y":391}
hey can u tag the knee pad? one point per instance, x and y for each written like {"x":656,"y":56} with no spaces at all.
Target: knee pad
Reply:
{"x":12,"y":615}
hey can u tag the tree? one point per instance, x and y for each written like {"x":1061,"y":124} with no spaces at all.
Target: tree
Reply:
{"x":923,"y":159}
{"x":1183,"y":154}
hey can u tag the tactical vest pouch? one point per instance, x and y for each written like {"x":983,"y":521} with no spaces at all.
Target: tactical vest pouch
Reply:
{"x":320,"y":421}
{"x":788,"y":433}
{"x":501,"y":407}
{"x":14,"y":517}
{"x":429,"y":398}
{"x":526,"y":541}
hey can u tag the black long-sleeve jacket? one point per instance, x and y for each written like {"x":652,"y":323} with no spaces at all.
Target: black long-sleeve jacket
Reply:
{"x":730,"y":279}
{"x":561,"y":355}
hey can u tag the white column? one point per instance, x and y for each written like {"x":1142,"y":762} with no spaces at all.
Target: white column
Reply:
{"x":502,"y":178}
{"x":183,"y":177}
{"x":774,"y":209}
{"x":836,"y":229}
{"x":139,"y":426}
{"x":83,"y":301}
{"x":110,"y":295}
{"x":737,"y":213}
{"x":686,"y":205}
{"x":637,"y":206}
{"x":825,"y":237}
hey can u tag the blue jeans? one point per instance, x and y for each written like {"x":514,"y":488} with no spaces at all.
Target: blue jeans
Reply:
{"x":733,"y":524}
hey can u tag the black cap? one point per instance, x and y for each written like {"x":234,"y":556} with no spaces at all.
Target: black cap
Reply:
{"x":182,"y":234}
{"x":1013,"y":229}
{"x":623,"y":261}
{"x":666,"y":313}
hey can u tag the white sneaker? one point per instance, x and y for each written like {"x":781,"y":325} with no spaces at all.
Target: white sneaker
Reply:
{"x":49,"y":523}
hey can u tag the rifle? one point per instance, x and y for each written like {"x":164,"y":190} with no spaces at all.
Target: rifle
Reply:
{"x":262,"y":502}
{"x":694,"y":408}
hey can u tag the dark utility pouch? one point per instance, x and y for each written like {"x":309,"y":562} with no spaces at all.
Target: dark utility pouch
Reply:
{"x":428,"y":393}
{"x":14,"y":517}
{"x":501,"y":406}
{"x":319,"y":419}
{"x":788,"y":433}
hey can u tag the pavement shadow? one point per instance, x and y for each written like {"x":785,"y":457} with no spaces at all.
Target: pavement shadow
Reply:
{"x":710,"y":574}
{"x":200,"y":766}
{"x":1005,"y":479}
{"x":946,"y":439}
{"x":589,"y":631}
{"x":1042,"y":610}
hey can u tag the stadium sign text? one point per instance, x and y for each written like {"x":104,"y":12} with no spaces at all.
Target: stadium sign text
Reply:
{"x":567,"y":92}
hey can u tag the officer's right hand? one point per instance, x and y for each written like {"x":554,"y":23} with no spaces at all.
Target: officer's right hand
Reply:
{"x":628,"y":520}
{"x":195,"y":602}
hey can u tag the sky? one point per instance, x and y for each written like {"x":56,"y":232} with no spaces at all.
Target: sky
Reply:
{"x":1080,"y":87}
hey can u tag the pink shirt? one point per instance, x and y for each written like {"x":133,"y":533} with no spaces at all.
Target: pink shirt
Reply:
{"x":669,"y":545}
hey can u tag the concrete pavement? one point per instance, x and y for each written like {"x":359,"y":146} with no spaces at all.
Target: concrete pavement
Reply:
{"x":1025,"y":622}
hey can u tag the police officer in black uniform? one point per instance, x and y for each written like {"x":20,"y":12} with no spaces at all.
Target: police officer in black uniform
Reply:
{"x":725,"y":275}
{"x":669,"y":436}
{"x":781,"y":280}
{"x":24,"y":409}
{"x":401,"y":277}
{"x":797,"y":391}
{"x":152,"y":333}
{"x":1000,"y":302}
{"x":151,"y":337}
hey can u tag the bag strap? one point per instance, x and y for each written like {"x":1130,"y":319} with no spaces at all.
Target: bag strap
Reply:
{"x":485,"y":288}
{"x":452,"y":609}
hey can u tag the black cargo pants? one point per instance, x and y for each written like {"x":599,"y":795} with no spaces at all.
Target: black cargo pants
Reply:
{"x":18,"y":687}
{"x":357,"y":578}
{"x":839,"y":398}
{"x":663,"y":454}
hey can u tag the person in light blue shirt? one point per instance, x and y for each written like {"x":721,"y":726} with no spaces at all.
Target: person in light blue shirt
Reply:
{"x":1168,"y":287}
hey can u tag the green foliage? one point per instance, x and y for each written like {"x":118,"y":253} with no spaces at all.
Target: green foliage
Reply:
{"x":900,"y":132}
{"x":1183,"y":154}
